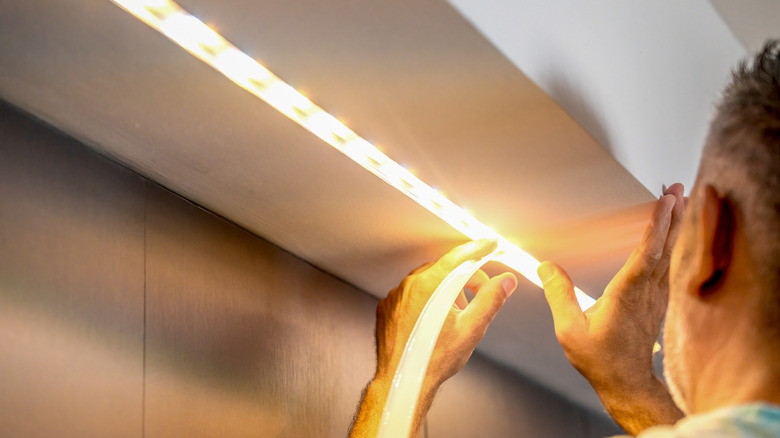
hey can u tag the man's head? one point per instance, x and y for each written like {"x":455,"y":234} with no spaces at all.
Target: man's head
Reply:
{"x":725,"y":273}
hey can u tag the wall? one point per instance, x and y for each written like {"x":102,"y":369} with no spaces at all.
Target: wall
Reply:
{"x":127,"y":311}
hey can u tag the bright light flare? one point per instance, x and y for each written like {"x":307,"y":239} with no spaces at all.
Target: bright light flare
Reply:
{"x":206,"y":44}
{"x":241,"y":68}
{"x":189,"y":32}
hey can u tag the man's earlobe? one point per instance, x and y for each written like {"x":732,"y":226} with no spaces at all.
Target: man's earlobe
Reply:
{"x":717,"y":240}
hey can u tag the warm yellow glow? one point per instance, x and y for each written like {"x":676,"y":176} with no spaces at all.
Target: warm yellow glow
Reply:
{"x":238,"y":66}
{"x":190,"y":32}
{"x":203,"y":42}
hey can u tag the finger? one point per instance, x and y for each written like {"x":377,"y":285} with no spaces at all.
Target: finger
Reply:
{"x":473,"y":250}
{"x":678,"y":212}
{"x":461,"y":302}
{"x":477,"y":280}
{"x":663,"y":288}
{"x":422,"y":268}
{"x":675,"y":189}
{"x":488,"y":301}
{"x":559,"y":291}
{"x":474,"y":283}
{"x":642,"y":262}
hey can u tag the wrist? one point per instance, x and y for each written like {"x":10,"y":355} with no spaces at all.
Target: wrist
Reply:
{"x":376,"y":395}
{"x":378,"y":389}
{"x":369,"y":415}
{"x":617,"y":384}
{"x":640,"y":403}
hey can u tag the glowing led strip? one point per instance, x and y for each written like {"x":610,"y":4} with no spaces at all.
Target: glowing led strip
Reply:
{"x":199,"y":39}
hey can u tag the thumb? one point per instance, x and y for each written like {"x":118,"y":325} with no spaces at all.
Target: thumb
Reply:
{"x":488,"y":301}
{"x":559,"y":291}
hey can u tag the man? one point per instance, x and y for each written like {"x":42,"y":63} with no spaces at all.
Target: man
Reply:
{"x":721,"y":282}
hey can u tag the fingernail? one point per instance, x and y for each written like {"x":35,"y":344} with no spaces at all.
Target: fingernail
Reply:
{"x":509,"y":284}
{"x":546,"y":272}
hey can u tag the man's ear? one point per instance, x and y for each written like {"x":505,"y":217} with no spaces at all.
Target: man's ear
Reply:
{"x":716,"y":241}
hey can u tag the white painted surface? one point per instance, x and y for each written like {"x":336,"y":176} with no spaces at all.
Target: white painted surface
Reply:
{"x":751,"y":21}
{"x":640,"y":77}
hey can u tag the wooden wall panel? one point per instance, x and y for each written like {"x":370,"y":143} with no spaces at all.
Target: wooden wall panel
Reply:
{"x":244,"y":339}
{"x":71,"y":287}
{"x":241,"y":339}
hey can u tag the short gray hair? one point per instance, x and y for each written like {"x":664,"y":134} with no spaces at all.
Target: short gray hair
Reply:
{"x":743,"y":152}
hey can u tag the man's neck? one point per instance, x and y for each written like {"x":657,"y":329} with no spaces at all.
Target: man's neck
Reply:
{"x":739,"y":370}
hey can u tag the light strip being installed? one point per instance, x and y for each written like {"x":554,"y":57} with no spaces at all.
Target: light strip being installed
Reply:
{"x":202,"y":41}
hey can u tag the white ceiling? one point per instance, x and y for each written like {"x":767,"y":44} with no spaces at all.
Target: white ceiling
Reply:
{"x":640,"y":77}
{"x":751,"y":21}
{"x":620,"y":86}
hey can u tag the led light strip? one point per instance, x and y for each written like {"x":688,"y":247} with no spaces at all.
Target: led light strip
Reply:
{"x":200,"y":40}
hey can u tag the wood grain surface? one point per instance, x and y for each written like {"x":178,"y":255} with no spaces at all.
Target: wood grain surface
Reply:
{"x":71,"y":287}
{"x":127,"y":311}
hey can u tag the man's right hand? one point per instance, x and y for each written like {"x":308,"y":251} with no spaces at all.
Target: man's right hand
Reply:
{"x":611,"y":344}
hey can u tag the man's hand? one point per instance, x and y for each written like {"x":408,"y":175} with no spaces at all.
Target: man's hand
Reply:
{"x":611,"y":344}
{"x":464,"y":327}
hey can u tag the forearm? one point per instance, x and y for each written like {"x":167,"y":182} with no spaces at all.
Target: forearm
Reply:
{"x":369,"y":415}
{"x":462,"y":329}
{"x":638,"y":407}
